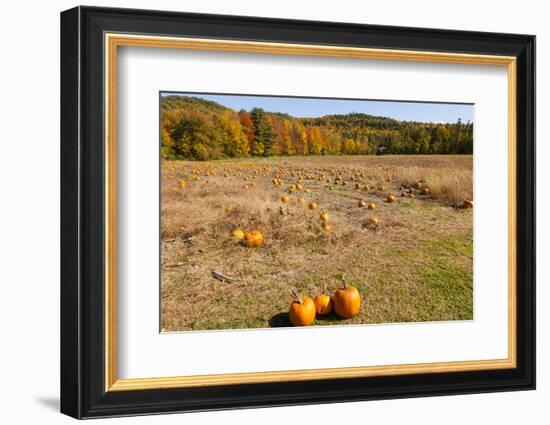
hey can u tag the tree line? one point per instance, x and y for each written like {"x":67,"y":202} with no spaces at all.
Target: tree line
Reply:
{"x":195,"y":128}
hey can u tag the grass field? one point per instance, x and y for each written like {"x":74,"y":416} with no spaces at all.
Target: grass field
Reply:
{"x":415,"y":264}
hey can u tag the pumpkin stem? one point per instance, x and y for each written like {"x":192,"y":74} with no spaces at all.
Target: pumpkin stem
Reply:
{"x":343,"y":279}
{"x":297,"y":296}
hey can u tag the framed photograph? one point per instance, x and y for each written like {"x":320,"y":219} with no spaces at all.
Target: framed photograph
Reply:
{"x":261,"y":212}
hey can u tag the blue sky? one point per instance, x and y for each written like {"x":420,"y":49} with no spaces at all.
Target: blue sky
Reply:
{"x":315,"y":107}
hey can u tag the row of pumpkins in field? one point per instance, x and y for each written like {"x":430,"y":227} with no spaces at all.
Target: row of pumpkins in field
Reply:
{"x":345,"y":302}
{"x":255,"y":238}
{"x":302,"y":173}
{"x":324,"y":215}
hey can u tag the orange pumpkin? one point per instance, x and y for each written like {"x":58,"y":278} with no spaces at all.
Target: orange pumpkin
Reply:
{"x":254,"y":239}
{"x":361,"y":204}
{"x":390,"y":198}
{"x":301,"y":201}
{"x":326,"y":227}
{"x":238,"y":234}
{"x":373,"y":220}
{"x":312,"y":205}
{"x":302,"y":310}
{"x":468,"y":204}
{"x":347,"y":300}
{"x":323,"y":304}
{"x":324,"y":216}
{"x":285,"y":198}
{"x":371,"y":206}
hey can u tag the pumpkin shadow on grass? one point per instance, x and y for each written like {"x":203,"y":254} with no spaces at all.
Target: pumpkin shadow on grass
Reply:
{"x":280,"y":320}
{"x":331,"y":317}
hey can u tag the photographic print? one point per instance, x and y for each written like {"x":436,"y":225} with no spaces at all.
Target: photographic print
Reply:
{"x":319,"y":192}
{"x":290,"y":211}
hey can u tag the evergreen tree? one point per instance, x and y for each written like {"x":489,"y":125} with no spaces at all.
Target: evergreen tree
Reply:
{"x":263,"y":130}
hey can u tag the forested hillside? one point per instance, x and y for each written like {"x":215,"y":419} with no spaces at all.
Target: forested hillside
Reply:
{"x":194,"y":128}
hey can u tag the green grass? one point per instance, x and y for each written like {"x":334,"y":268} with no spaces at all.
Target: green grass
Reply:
{"x":439,"y":275}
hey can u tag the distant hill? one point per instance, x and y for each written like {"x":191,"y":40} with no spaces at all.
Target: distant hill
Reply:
{"x":188,"y":102}
{"x":195,"y":128}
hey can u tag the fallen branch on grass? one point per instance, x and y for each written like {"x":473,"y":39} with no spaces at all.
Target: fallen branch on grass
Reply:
{"x":222,"y":277}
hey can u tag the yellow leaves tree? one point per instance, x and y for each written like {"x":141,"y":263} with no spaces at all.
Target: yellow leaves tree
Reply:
{"x":335,"y":144}
{"x":234,"y":137}
{"x":349,"y":146}
{"x":298,"y":136}
{"x":287,"y":145}
{"x":316,"y":141}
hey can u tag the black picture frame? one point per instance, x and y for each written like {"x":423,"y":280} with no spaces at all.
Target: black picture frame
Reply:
{"x":83,"y":392}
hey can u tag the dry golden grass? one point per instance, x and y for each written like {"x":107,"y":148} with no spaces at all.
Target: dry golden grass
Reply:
{"x":414,"y":265}
{"x":450,"y":185}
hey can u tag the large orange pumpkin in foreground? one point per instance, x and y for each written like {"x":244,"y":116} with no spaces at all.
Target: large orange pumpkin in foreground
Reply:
{"x":302,"y":310}
{"x":346,"y":300}
{"x":254,"y":239}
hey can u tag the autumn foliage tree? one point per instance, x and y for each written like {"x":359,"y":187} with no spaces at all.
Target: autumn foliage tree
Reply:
{"x":195,"y":128}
